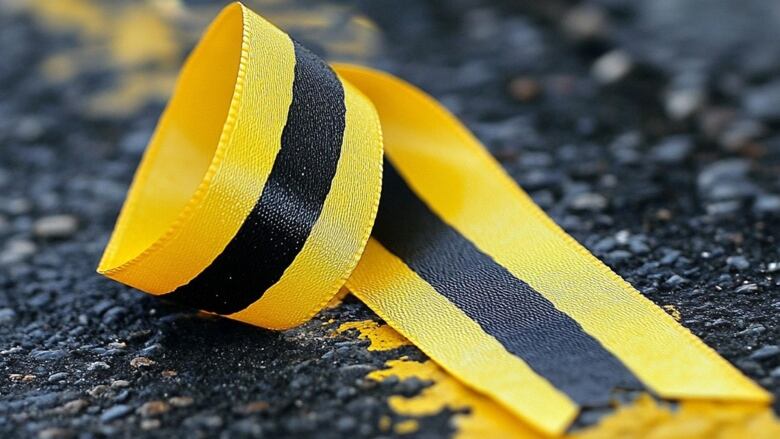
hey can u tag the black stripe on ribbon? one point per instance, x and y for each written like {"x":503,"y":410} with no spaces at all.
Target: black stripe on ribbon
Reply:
{"x":527,"y":324}
{"x":275,"y":230}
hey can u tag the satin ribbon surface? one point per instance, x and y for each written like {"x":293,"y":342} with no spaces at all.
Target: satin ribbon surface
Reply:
{"x":273,"y":180}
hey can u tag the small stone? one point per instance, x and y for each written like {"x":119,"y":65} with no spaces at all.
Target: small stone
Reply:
{"x":611,"y":67}
{"x":180,"y":401}
{"x":48,"y":355}
{"x":99,"y":390}
{"x":585,"y":22}
{"x":775,"y":373}
{"x":766,"y":352}
{"x":73,"y":407}
{"x":21,"y":378}
{"x":524,"y":89}
{"x":753,"y":330}
{"x":142,"y":362}
{"x":55,"y":433}
{"x":116,"y":412}
{"x":29,"y":128}
{"x":767,"y":204}
{"x":773,"y":267}
{"x":346,"y":423}
{"x":717,"y":172}
{"x":98,"y":365}
{"x":638,"y":246}
{"x":119,"y":384}
{"x":17,"y":250}
{"x":7,"y":315}
{"x":681,"y":103}
{"x":605,"y":245}
{"x":740,"y":134}
{"x":738,"y":262}
{"x":168,"y":373}
{"x":55,"y":226}
{"x":675,"y":280}
{"x":763,"y":101}
{"x":57,"y":377}
{"x":153,"y":408}
{"x":747,"y":288}
{"x":589,"y":201}
{"x":618,"y":256}
{"x":117,"y":345}
{"x":672,"y":150}
{"x":150,"y":424}
{"x":253,"y":407}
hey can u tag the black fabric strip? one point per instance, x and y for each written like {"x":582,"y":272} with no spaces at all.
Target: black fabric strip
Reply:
{"x":527,"y":324}
{"x":291,"y":201}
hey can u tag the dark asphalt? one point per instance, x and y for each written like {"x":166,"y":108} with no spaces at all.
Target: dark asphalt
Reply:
{"x":648,"y":130}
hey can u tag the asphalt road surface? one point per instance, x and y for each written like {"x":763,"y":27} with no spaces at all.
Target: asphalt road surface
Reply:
{"x":648,"y":130}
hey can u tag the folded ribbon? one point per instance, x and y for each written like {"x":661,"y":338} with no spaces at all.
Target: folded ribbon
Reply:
{"x":261,"y":186}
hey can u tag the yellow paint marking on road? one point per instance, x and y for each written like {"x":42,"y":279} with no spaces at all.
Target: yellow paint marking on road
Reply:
{"x":382,"y":337}
{"x":479,"y":417}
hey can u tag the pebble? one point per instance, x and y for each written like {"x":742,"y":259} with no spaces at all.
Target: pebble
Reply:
{"x":153,"y":408}
{"x":257,"y":407}
{"x":588,"y":201}
{"x":118,"y":384}
{"x":116,"y":412}
{"x":753,"y":330}
{"x":524,"y":89}
{"x":740,"y":133}
{"x":773,"y":267}
{"x":638,"y":246}
{"x":21,"y":378}
{"x":585,"y":22}
{"x":74,"y":407}
{"x":55,"y":433}
{"x":150,"y":424}
{"x":55,"y":226}
{"x":726,"y":180}
{"x":681,"y":103}
{"x":763,"y":101}
{"x":180,"y":401}
{"x":766,"y":352}
{"x":48,"y":355}
{"x":99,"y":390}
{"x":775,"y":373}
{"x":605,"y":245}
{"x":618,"y":256}
{"x":767,"y":203}
{"x":142,"y":362}
{"x":17,"y":250}
{"x":611,"y":67}
{"x":675,"y":280}
{"x":98,"y":365}
{"x":346,"y":423}
{"x":57,"y":377}
{"x":738,"y":262}
{"x":672,"y":150}
{"x":7,"y":315}
{"x":747,"y":288}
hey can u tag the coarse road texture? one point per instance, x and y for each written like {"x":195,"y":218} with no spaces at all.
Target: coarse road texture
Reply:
{"x":648,"y":130}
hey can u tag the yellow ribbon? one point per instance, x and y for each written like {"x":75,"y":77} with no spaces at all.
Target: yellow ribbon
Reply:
{"x":260,"y":188}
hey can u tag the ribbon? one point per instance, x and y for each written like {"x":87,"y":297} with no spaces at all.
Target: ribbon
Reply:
{"x":259,"y":198}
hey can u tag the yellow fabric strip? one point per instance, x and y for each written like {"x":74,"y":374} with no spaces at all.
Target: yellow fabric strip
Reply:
{"x":459,"y":345}
{"x":436,"y":154}
{"x":203,"y":169}
{"x":330,"y":255}
{"x":217,"y":147}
